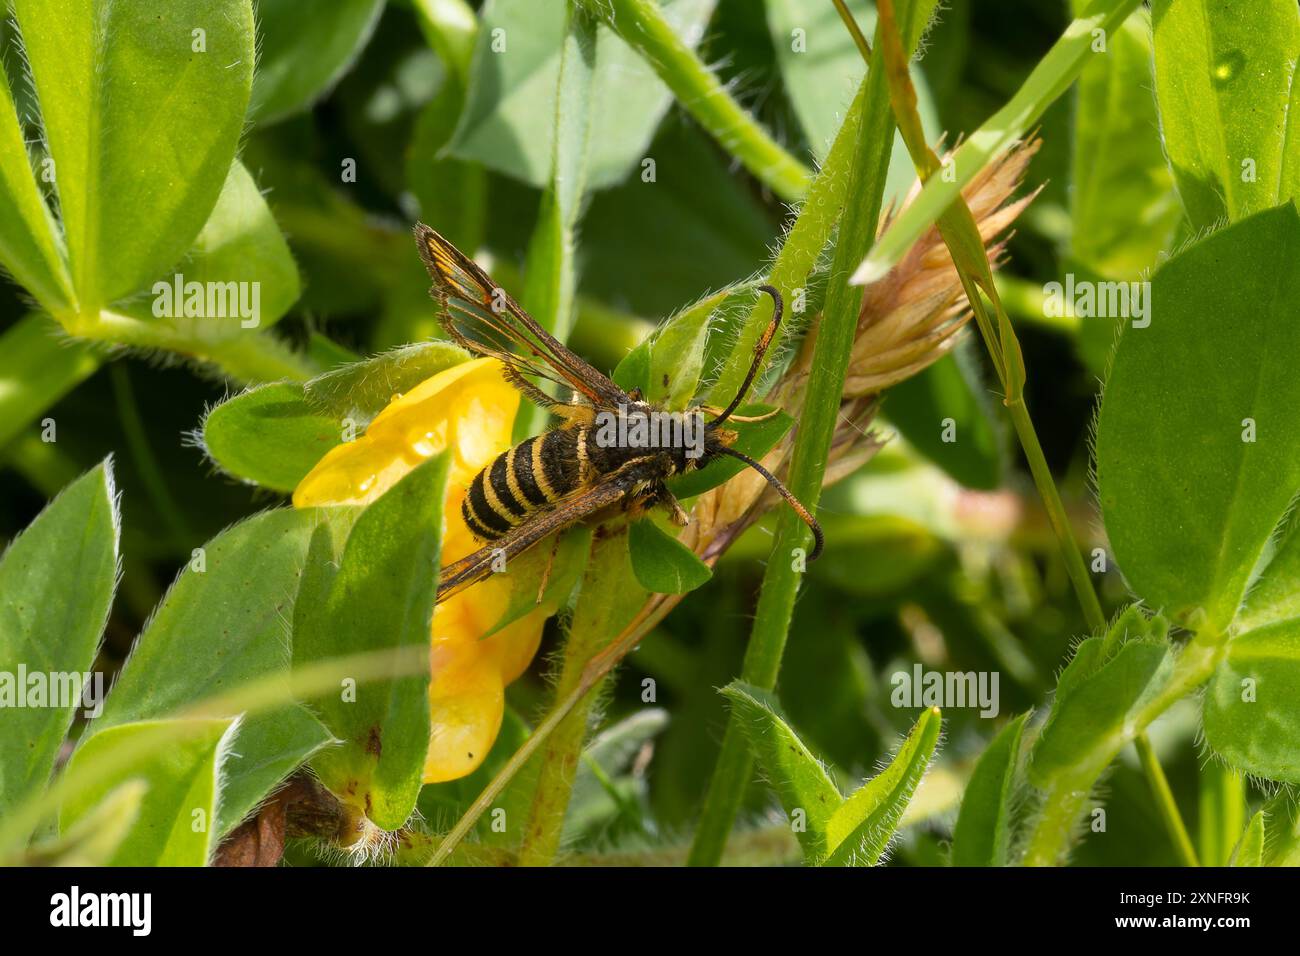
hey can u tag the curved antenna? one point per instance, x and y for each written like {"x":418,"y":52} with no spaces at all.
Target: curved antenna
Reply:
{"x":819,"y":540}
{"x":760,"y":349}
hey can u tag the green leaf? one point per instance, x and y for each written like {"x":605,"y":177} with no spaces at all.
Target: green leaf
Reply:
{"x":655,"y":365}
{"x":860,"y":830}
{"x":1199,"y":432}
{"x":508,"y":120}
{"x":269,"y":435}
{"x":176,"y":823}
{"x":982,"y":836}
{"x":381,"y":596}
{"x":141,"y":126}
{"x":1250,"y":851}
{"x":241,"y":242}
{"x":96,"y":838}
{"x":755,"y":439}
{"x":1252,"y":706}
{"x":1123,"y":207}
{"x":1225,"y":88}
{"x":1097,"y":692}
{"x":31,"y":248}
{"x":807,"y":793}
{"x":921,"y":407}
{"x":1282,"y":830}
{"x":303,"y":54}
{"x":222,"y":624}
{"x":56,"y":587}
{"x":38,"y":365}
{"x":676,"y":357}
{"x":361,"y":390}
{"x":558,"y":561}
{"x":663,"y":564}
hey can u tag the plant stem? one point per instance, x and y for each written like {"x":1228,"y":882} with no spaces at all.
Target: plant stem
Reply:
{"x":866,"y":181}
{"x":1165,"y":800}
{"x":1053,"y":75}
{"x":642,"y":26}
{"x":248,"y":358}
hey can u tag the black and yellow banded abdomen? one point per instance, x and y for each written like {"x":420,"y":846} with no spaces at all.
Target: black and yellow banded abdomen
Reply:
{"x":531,"y":476}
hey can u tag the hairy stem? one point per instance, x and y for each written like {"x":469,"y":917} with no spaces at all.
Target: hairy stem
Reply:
{"x":866,"y":182}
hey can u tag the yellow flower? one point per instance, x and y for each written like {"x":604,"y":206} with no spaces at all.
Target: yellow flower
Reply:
{"x":468,"y":409}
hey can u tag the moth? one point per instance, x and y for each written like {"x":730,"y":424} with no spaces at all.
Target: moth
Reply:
{"x":609,"y":448}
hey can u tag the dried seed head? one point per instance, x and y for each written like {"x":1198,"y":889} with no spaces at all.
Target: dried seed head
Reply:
{"x":908,"y":320}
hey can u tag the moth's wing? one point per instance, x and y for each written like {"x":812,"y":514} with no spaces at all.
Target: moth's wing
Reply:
{"x":475,"y":567}
{"x":483,"y":318}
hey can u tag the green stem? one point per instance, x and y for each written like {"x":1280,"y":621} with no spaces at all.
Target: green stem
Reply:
{"x":1053,"y":75}
{"x":642,"y":26}
{"x":1221,"y":816}
{"x":1056,"y":515}
{"x":249,"y":358}
{"x":866,"y":181}
{"x":1164,"y":796}
{"x":146,"y":462}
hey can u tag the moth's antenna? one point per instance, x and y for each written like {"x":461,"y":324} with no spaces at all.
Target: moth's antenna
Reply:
{"x":818,"y":538}
{"x":760,"y":349}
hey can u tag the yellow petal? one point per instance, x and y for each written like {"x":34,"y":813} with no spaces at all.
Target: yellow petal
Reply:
{"x":469,"y":409}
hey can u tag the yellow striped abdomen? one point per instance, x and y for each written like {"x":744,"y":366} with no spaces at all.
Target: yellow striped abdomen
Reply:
{"x":530,"y":477}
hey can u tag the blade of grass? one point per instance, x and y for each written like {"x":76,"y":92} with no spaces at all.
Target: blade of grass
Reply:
{"x":642,"y":26}
{"x":866,"y":184}
{"x":253,"y":697}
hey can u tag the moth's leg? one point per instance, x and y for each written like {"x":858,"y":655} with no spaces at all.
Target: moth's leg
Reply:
{"x":676,"y":513}
{"x":658,"y":495}
{"x":531,"y":391}
{"x":715,"y":411}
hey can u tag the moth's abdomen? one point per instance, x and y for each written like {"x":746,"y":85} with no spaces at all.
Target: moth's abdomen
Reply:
{"x":528,"y":478}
